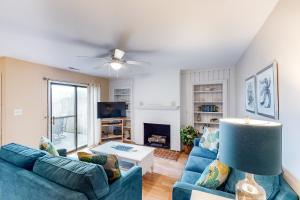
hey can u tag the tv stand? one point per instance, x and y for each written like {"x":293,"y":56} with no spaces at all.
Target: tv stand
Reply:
{"x":113,"y":129}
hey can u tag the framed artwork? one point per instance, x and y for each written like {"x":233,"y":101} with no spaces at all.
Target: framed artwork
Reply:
{"x":250,"y":102}
{"x":267,"y":92}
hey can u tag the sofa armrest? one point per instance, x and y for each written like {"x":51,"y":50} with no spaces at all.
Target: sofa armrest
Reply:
{"x":128,"y":187}
{"x":285,"y":192}
{"x":62,"y":152}
{"x":132,"y":173}
{"x":196,"y":141}
{"x":183,"y":191}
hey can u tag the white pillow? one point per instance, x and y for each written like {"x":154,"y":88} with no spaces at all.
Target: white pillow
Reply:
{"x":210,"y":139}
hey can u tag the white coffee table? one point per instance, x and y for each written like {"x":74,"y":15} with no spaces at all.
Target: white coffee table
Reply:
{"x":139,"y":155}
{"x":198,"y":195}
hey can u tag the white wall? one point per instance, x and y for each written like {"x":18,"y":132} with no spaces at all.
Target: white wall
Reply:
{"x":191,"y":77}
{"x":159,"y":87}
{"x":278,"y":39}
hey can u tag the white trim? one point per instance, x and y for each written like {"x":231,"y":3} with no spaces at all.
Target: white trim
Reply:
{"x":292,"y":181}
{"x":67,"y":83}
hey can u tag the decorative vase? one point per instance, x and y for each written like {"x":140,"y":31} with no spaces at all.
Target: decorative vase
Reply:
{"x":187,"y":149}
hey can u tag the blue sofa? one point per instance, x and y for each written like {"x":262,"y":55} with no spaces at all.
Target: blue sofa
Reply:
{"x":31,"y":174}
{"x":199,"y":158}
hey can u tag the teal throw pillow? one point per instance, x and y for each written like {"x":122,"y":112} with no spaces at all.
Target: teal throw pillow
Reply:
{"x":210,"y":139}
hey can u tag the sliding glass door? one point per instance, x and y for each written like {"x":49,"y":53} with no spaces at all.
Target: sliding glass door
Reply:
{"x":68,"y":111}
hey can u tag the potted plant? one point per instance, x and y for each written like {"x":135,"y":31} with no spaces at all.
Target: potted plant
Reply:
{"x":188,"y":134}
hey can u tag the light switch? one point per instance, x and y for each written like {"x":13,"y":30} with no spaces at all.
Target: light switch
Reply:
{"x":18,"y":112}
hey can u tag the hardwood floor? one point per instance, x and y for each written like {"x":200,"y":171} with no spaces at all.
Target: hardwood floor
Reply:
{"x":158,"y":185}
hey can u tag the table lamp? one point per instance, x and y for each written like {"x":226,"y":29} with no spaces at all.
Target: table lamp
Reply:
{"x":254,"y":147}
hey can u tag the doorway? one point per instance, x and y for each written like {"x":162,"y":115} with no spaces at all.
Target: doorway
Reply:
{"x":68,"y":106}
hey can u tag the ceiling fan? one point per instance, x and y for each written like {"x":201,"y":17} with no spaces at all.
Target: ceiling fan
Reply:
{"x":116,"y":60}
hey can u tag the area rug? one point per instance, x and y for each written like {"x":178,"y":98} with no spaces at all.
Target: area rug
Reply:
{"x":166,"y":154}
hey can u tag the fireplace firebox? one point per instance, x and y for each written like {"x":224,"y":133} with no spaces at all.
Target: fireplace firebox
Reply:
{"x":157,"y":135}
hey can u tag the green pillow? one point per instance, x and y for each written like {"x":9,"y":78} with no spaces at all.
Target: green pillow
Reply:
{"x":214,"y":175}
{"x":46,"y":145}
{"x":109,"y":163}
{"x":210,"y":139}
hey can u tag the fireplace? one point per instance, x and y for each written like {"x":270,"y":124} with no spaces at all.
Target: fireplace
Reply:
{"x":157,"y":135}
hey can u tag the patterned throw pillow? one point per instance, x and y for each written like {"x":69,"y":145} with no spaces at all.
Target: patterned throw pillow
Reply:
{"x":109,"y":162}
{"x":214,"y":175}
{"x":46,"y":145}
{"x":210,"y":139}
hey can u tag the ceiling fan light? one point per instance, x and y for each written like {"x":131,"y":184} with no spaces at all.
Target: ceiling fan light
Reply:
{"x":116,"y":66}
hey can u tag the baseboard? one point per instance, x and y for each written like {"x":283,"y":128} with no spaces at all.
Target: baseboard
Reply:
{"x":292,"y":181}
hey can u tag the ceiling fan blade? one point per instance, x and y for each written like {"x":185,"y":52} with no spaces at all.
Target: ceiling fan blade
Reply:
{"x":91,"y":58}
{"x":134,"y":62}
{"x":105,"y":68}
{"x":101,"y":56}
{"x":86,"y":43}
{"x":137,"y":51}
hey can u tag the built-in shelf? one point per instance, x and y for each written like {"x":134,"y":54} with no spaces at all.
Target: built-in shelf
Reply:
{"x":208,"y":97}
{"x":125,"y":95}
{"x":111,"y":136}
{"x":209,"y":123}
{"x":209,"y":102}
{"x":213,"y":91}
{"x":105,"y":125}
{"x":157,"y":107}
{"x":127,"y":140}
{"x":121,"y":94}
{"x":200,"y":112}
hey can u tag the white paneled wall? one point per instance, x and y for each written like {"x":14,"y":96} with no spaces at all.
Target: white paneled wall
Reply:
{"x":203,"y":76}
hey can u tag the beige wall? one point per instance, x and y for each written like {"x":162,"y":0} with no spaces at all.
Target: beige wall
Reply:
{"x":278,"y":39}
{"x":23,"y":87}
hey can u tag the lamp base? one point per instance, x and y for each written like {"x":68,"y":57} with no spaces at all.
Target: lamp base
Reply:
{"x":248,"y":189}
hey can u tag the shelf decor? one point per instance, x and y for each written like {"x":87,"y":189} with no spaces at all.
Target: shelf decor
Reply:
{"x":267,"y":92}
{"x":208,"y":104}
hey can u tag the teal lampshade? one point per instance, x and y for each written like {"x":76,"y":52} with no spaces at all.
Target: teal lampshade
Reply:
{"x":251,"y":146}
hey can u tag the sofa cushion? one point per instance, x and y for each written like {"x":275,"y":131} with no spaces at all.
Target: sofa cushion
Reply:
{"x":108,"y":161}
{"x":201,"y":152}
{"x":271,"y":184}
{"x":46,"y":145}
{"x":214,"y":175}
{"x":87,"y":178}
{"x":197,"y":164}
{"x":20,"y":184}
{"x":20,"y":156}
{"x":190,"y":177}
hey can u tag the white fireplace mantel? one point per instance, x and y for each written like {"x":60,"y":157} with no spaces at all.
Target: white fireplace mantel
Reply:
{"x":158,"y":106}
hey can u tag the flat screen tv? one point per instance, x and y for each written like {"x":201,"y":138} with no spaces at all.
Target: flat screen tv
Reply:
{"x":111,"y":109}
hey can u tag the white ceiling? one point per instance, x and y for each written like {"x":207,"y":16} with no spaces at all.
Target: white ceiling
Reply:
{"x":183,"y":33}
